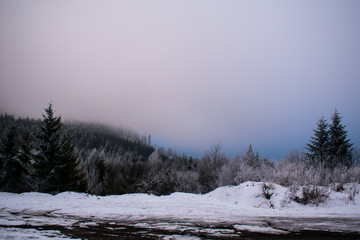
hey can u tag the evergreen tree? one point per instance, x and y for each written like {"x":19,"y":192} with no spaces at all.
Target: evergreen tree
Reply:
{"x":252,"y":159}
{"x":47,"y":159}
{"x":339,"y":146}
{"x":13,"y":168}
{"x":55,"y":166}
{"x":319,"y":144}
{"x":71,"y":178}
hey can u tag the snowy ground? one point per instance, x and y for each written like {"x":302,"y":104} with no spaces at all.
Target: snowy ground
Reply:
{"x":227,"y":212}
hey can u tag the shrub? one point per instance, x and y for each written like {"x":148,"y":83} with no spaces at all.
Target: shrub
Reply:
{"x":267,"y":190}
{"x":312,"y":195}
{"x":352,"y":190}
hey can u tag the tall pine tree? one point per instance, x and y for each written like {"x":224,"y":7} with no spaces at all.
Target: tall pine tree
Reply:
{"x":319,"y":144}
{"x":55,"y":163}
{"x":339,"y":146}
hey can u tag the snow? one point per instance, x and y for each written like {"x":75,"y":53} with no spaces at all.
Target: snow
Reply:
{"x":14,"y":233}
{"x":223,"y":203}
{"x":259,"y":229}
{"x":237,"y":205}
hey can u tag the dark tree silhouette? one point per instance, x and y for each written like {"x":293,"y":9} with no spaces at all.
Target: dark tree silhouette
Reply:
{"x":14,"y":169}
{"x":319,"y":143}
{"x":339,"y":145}
{"x":55,"y":163}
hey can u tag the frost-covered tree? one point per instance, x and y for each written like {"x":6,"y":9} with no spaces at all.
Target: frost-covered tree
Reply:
{"x":96,"y":170}
{"x":217,"y":156}
{"x":229,"y":172}
{"x":55,"y":161}
{"x":159,"y":175}
{"x":210,"y":167}
{"x":339,"y":145}
{"x":296,"y":155}
{"x":187,"y":181}
{"x":251,"y":159}
{"x":154,"y":158}
{"x":319,"y":143}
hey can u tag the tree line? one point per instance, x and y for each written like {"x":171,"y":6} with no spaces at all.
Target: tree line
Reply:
{"x":330,"y":145}
{"x":50,"y":156}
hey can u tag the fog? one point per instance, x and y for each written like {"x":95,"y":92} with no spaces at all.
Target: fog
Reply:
{"x":190,"y":73}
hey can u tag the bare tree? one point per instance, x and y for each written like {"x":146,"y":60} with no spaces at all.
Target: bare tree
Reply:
{"x":210,"y":167}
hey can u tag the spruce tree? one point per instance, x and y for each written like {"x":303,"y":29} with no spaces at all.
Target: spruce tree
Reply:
{"x":319,"y":143}
{"x":14,"y":169}
{"x":71,"y":178}
{"x":339,"y":146}
{"x":47,"y":160}
{"x":252,"y":159}
{"x":55,"y":163}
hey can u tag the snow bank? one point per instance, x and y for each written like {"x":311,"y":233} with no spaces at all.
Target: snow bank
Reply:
{"x":223,"y":204}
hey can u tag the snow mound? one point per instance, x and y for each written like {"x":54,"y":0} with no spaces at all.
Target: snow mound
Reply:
{"x":248,"y":194}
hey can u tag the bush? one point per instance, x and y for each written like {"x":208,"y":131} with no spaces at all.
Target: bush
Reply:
{"x":352,"y":190}
{"x":267,"y":190}
{"x":312,"y":195}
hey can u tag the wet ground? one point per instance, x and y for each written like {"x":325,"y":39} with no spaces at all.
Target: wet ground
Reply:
{"x":55,"y":225}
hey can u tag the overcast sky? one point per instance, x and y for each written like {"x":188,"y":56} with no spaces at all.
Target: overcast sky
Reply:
{"x":191,"y":73}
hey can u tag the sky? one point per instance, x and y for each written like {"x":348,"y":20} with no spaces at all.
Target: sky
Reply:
{"x":190,"y":73}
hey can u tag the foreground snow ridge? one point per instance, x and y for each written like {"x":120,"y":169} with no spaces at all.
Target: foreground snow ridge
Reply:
{"x":226,"y":212}
{"x":223,"y":204}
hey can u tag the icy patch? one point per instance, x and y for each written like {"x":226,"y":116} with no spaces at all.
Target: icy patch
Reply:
{"x":259,"y":229}
{"x":167,"y":226}
{"x":180,"y":237}
{"x":10,"y":222}
{"x":216,"y":232}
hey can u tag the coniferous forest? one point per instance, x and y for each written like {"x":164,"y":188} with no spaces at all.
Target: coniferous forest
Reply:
{"x":49,"y":155}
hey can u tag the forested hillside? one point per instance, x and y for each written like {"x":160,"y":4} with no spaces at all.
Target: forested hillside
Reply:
{"x":50,"y":156}
{"x":87,"y":136}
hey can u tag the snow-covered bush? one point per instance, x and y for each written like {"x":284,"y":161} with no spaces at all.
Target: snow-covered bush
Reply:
{"x":228,"y":173}
{"x":187,"y":181}
{"x":352,"y":190}
{"x":267,"y":190}
{"x":311,"y":195}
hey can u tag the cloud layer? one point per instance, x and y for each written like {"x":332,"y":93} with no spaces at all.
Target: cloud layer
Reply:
{"x":191,"y":73}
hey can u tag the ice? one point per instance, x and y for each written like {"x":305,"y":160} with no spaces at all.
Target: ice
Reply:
{"x":180,"y":237}
{"x":259,"y":229}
